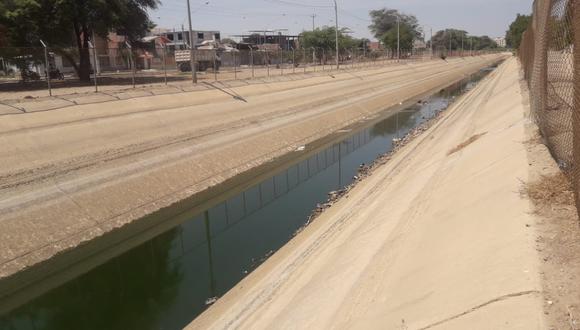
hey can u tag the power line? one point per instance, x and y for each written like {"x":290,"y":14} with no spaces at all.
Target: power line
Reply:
{"x":298,"y":4}
{"x":354,"y":16}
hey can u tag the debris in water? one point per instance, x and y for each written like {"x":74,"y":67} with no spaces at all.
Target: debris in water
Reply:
{"x":210,"y":301}
{"x":366,"y":170}
{"x":301,"y":148}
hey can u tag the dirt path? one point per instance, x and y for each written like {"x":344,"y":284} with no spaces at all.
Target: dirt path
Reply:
{"x":440,"y":237}
{"x":70,"y":175}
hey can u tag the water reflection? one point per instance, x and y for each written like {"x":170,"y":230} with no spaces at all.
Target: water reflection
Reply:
{"x":165,"y":282}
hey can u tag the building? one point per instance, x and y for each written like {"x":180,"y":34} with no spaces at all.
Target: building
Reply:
{"x":110,"y":54}
{"x":419,"y":44}
{"x":180,"y":39}
{"x":375,"y":45}
{"x":274,"y":38}
{"x":500,"y":41}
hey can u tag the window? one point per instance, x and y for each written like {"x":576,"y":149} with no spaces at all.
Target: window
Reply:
{"x":200,"y":35}
{"x":217,"y":36}
{"x":170,"y":36}
{"x":180,"y":36}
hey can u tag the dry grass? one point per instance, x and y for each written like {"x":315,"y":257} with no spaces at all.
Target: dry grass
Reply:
{"x":558,"y":246}
{"x":464,"y":144}
{"x":551,"y":190}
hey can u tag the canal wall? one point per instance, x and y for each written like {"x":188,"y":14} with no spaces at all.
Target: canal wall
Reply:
{"x":52,"y":214}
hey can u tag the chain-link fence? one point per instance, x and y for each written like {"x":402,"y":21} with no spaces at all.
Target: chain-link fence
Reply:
{"x":548,"y":56}
{"x":108,"y":68}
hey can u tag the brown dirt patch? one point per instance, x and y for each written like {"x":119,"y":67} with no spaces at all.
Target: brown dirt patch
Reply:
{"x":465,"y":143}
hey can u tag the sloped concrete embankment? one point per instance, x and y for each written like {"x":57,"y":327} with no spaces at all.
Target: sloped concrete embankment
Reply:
{"x":437,"y":238}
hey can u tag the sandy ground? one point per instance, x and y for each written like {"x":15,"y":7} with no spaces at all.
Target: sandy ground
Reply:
{"x":76,"y":173}
{"x":440,"y":237}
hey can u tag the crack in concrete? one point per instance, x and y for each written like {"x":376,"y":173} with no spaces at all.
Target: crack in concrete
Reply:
{"x":473,"y":309}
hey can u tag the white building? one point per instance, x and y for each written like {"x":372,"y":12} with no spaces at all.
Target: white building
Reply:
{"x":180,"y":39}
{"x":500,"y":41}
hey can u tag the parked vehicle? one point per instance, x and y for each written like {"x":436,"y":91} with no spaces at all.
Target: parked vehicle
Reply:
{"x":205,"y":59}
{"x":55,"y":74}
{"x":29,"y":75}
{"x":207,"y":55}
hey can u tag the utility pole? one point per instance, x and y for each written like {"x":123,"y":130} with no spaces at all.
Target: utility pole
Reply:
{"x":462,"y":44}
{"x":398,"y":38}
{"x":336,"y":34}
{"x":313,"y":26}
{"x":431,"y":41}
{"x":191,"y":47}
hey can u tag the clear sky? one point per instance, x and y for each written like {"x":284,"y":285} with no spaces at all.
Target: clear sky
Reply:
{"x":231,"y":17}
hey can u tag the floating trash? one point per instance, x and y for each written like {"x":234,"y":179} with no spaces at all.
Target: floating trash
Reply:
{"x":210,"y":301}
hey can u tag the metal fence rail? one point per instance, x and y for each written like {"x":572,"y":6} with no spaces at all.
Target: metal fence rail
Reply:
{"x":551,"y":68}
{"x":44,"y":67}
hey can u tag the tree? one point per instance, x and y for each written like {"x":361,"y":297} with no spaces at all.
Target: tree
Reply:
{"x":483,"y":43}
{"x":452,"y":39}
{"x":513,"y":36}
{"x":64,"y":23}
{"x":406,"y":38}
{"x":3,"y":29}
{"x":325,"y":38}
{"x":447,"y":38}
{"x":384,"y":27}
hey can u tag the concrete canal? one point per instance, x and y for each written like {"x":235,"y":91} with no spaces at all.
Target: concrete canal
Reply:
{"x":167,"y":281}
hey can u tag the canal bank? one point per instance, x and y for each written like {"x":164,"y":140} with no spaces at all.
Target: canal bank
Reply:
{"x":438,"y":238}
{"x":220,"y":239}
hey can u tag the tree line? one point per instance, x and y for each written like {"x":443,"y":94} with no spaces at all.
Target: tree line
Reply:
{"x":397,"y":30}
{"x":68,"y":26}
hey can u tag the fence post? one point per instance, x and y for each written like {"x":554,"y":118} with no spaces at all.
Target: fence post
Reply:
{"x":252,"y":59}
{"x":323,"y":58}
{"x":94,"y":63}
{"x":46,"y":67}
{"x":215,"y":68}
{"x":576,"y":109}
{"x":133,"y":65}
{"x":164,"y":63}
{"x":281,"y":61}
{"x":131,"y":61}
{"x":338,"y":67}
{"x":544,"y":13}
{"x":304,"y":58}
{"x":235,"y":66}
{"x":314,"y":59}
{"x":293,"y":60}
